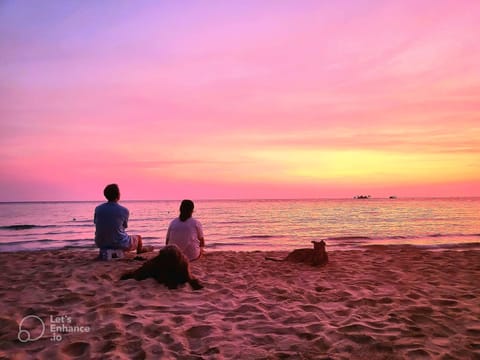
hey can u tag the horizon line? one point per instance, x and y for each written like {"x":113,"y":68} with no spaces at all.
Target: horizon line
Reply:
{"x":247,"y":199}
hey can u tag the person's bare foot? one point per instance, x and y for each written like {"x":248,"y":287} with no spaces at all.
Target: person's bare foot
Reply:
{"x":144,"y":249}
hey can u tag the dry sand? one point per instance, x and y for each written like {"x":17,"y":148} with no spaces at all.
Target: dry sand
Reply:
{"x":382,"y":303}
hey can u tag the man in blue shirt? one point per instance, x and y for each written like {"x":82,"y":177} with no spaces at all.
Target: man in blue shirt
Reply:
{"x":111,"y":220}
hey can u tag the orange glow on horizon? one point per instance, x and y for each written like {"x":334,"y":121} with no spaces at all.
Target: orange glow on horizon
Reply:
{"x":304,"y":99}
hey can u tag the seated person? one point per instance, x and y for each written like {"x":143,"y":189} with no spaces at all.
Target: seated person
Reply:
{"x":111,"y":220}
{"x":186,"y":232}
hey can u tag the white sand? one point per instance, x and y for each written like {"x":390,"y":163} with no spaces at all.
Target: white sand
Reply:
{"x":383,"y":303}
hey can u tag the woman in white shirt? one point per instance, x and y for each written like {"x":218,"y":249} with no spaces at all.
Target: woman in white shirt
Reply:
{"x":186,"y":232}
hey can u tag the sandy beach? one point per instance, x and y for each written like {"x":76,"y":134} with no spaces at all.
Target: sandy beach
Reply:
{"x":381,"y":303}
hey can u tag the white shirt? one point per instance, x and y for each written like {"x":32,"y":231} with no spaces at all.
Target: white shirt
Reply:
{"x":186,"y":235}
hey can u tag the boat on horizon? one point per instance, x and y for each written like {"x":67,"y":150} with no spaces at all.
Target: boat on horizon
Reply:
{"x":362,"y":197}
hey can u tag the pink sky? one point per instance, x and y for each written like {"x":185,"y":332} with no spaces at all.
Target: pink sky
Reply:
{"x":239,"y":99}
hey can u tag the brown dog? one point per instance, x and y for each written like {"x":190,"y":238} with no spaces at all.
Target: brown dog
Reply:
{"x":170,"y":267}
{"x":316,"y":257}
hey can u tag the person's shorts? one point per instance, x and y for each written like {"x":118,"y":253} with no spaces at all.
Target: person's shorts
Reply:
{"x":133,"y":242}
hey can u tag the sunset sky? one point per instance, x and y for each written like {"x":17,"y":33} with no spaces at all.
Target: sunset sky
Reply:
{"x":239,"y":99}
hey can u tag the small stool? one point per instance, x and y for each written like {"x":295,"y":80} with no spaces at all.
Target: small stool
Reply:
{"x":109,"y":254}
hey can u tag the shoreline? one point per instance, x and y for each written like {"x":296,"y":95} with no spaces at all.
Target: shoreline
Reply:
{"x":382,"y":302}
{"x":331,"y":247}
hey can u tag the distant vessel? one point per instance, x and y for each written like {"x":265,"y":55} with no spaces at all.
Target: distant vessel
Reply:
{"x":392,"y":197}
{"x":362,"y":197}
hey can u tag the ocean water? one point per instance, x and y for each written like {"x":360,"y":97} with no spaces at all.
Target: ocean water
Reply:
{"x":256,"y":224}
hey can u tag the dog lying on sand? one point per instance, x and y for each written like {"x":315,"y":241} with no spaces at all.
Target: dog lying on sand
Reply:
{"x":170,"y":267}
{"x":316,"y":257}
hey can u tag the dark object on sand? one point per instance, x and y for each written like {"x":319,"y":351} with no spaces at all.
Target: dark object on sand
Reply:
{"x":170,"y":267}
{"x":316,"y":257}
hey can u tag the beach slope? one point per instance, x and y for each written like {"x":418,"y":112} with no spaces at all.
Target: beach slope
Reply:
{"x":381,"y":303}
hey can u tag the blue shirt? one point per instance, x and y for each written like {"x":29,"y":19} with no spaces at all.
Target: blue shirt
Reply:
{"x":111,"y":220}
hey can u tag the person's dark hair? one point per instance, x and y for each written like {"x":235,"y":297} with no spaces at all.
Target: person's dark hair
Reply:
{"x":186,"y":210}
{"x":112,"y":192}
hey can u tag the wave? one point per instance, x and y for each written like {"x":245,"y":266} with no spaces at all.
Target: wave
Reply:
{"x":468,"y":245}
{"x":257,"y":237}
{"x":349,"y":238}
{"x":227,"y":222}
{"x":216,"y":245}
{"x":152,"y":238}
{"x":73,"y":224}
{"x":441,"y":236}
{"x":449,"y":235}
{"x":45,"y":241}
{"x":398,"y":237}
{"x":458,"y":246}
{"x":25,"y":227}
{"x":159,"y":218}
{"x":60,"y":232}
{"x":75,"y":220}
{"x":66,"y":247}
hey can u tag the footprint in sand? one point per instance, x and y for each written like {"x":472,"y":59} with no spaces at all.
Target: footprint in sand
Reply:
{"x":8,"y":329}
{"x":134,"y":348}
{"x":128,"y":318}
{"x":108,"y":346}
{"x":152,"y":330}
{"x":135,"y":327}
{"x":444,"y":302}
{"x":200,"y":331}
{"x":76,"y":349}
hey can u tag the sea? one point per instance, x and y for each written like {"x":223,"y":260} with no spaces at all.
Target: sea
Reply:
{"x":250,"y":225}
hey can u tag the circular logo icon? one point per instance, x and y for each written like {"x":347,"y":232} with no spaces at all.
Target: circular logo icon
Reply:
{"x":25,"y":335}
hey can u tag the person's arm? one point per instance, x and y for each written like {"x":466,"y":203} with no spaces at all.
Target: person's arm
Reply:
{"x":125,"y":222}
{"x":168,"y":236}
{"x":200,"y":236}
